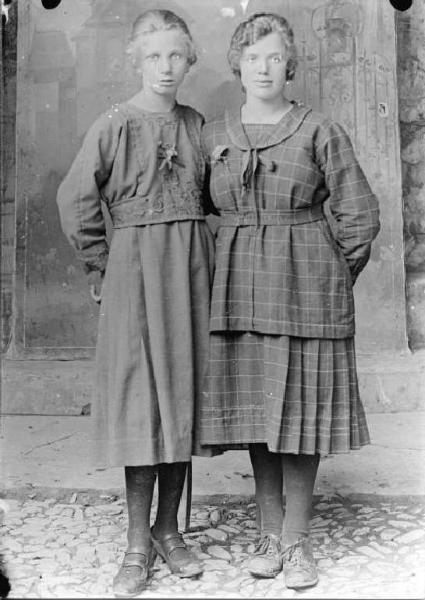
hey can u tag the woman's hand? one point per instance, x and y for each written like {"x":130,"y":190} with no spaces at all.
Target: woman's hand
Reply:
{"x":95,"y":282}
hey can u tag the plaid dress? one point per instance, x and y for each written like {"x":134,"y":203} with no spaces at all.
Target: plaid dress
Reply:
{"x":282,"y":359}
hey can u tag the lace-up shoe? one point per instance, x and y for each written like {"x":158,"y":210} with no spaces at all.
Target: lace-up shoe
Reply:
{"x":299,"y":567}
{"x":266,"y":560}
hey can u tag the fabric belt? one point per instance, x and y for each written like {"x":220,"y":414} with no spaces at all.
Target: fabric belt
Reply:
{"x":147,"y":210}
{"x":272,"y":217}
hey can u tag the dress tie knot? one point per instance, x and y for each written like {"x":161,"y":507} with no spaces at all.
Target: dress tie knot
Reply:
{"x":250,"y":162}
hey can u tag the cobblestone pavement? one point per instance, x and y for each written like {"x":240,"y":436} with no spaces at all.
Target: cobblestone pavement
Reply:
{"x":71,"y":547}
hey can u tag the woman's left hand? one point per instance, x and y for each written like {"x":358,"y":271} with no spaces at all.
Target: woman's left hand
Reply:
{"x":95,"y":283}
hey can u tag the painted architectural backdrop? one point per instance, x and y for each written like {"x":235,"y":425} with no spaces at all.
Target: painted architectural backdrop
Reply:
{"x":72,"y":66}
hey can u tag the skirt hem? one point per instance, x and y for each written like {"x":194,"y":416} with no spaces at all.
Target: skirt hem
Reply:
{"x":226,"y":447}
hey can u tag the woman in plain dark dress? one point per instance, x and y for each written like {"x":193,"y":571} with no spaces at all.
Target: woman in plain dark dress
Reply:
{"x":282,"y":376}
{"x":143,"y":160}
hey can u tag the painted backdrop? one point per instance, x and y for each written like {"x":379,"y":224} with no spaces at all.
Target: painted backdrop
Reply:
{"x":72,"y":66}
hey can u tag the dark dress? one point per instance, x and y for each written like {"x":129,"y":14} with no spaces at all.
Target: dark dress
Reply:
{"x":152,"y":345}
{"x":282,"y":359}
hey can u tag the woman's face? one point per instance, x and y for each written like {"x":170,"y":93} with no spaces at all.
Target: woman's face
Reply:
{"x":263,"y":68}
{"x":163,"y":62}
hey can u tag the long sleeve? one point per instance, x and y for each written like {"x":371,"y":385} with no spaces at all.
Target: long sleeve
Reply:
{"x":351,"y":202}
{"x":208,"y":203}
{"x":79,"y":195}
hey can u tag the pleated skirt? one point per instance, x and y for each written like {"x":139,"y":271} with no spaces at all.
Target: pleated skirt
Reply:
{"x":152,"y":347}
{"x":297,"y":395}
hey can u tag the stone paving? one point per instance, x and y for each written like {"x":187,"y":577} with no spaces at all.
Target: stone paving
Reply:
{"x":70,"y":547}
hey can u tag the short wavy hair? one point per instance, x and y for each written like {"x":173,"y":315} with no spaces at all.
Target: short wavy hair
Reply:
{"x":158,"y":20}
{"x":253,"y":29}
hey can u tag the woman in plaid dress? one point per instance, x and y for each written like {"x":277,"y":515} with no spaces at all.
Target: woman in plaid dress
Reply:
{"x":282,"y":376}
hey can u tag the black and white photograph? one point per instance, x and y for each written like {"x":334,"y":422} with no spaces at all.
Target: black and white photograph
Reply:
{"x":212,"y":366}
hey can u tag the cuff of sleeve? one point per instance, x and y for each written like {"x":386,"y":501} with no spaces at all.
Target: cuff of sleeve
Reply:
{"x":95,"y":259}
{"x":357,"y":266}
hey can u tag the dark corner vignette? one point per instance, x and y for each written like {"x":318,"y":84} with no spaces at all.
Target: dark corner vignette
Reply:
{"x":6,"y":5}
{"x":5,"y":586}
{"x":400,"y":5}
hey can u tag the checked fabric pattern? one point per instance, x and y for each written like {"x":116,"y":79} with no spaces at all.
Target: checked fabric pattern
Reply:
{"x":280,"y":269}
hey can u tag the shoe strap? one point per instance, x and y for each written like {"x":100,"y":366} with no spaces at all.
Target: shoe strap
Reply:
{"x":171,"y":542}
{"x":140,"y":559}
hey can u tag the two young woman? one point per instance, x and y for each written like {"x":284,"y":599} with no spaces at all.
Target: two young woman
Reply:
{"x":281,"y":375}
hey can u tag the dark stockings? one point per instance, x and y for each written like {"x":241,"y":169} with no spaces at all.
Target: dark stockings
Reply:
{"x":170,"y":488}
{"x":139,"y":482}
{"x":139,"y":489}
{"x":299,"y":471}
{"x":267,"y":469}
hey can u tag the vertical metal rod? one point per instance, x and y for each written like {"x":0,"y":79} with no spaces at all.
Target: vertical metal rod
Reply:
{"x":188,"y":495}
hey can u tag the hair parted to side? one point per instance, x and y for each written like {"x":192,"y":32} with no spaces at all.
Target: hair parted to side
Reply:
{"x":158,"y":20}
{"x":253,"y":29}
